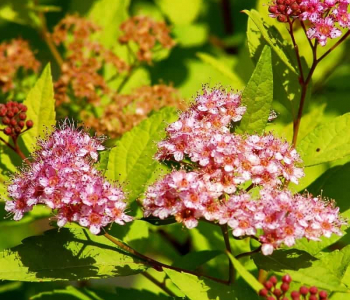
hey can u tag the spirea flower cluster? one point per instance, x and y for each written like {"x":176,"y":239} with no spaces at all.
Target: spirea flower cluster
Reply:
{"x":62,"y":177}
{"x":219,"y":168}
{"x":15,"y":55}
{"x":324,"y":18}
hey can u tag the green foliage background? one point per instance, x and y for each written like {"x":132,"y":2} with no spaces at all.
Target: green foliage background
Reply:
{"x":258,"y":55}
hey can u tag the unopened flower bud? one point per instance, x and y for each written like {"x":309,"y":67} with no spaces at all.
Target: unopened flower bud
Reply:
{"x":8,"y":130}
{"x":6,"y":121}
{"x":10,"y":113}
{"x":284,"y":286}
{"x":22,"y":116}
{"x":18,"y":129}
{"x":268,"y":285}
{"x":282,"y":18}
{"x":21,"y":124}
{"x":263,"y":292}
{"x":29,"y":123}
{"x":323,"y":294}
{"x":304,"y":290}
{"x":287,"y":279}
{"x":313,"y":290}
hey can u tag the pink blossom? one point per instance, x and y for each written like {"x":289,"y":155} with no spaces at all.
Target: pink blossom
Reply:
{"x":61,"y":175}
{"x":322,"y":30}
{"x":313,"y":10}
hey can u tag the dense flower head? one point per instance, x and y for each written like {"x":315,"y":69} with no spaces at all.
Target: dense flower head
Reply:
{"x":323,"y":17}
{"x":61,"y":176}
{"x":15,"y":55}
{"x":202,"y":134}
{"x":146,"y":33}
{"x":218,"y":169}
{"x":275,"y":290}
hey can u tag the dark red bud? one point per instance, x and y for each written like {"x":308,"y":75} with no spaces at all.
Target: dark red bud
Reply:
{"x":295,"y":294}
{"x":303,"y":8}
{"x":270,"y":298}
{"x":299,"y":1}
{"x":284,"y":286}
{"x":282,"y":18}
{"x":277,"y":292}
{"x":273,"y":9}
{"x":287,"y":2}
{"x":313,"y":290}
{"x":18,"y":129}
{"x":287,"y":279}
{"x":313,"y":297}
{"x":7,"y":130}
{"x":22,"y":116}
{"x":263,"y":292}
{"x":15,"y":110}
{"x":10,"y":113}
{"x":3,"y":111}
{"x":29,"y":123}
{"x":5,"y":120}
{"x":280,"y":1}
{"x":268,"y":285}
{"x":294,"y":7}
{"x":304,"y":290}
{"x":282,"y":8}
{"x":24,"y":108}
{"x":13,"y":122}
{"x":323,"y":294}
{"x":21,"y":124}
{"x":274,"y":280}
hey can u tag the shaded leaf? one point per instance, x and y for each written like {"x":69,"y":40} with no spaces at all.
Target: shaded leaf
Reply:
{"x":204,"y":289}
{"x":68,"y":254}
{"x":271,"y":36}
{"x":246,"y":275}
{"x":193,"y":260}
{"x":328,"y":272}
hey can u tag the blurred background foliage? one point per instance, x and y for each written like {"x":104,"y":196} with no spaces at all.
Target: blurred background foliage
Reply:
{"x":211,"y":48}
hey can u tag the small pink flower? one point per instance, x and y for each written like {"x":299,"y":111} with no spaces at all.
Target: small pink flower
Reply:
{"x":313,"y":10}
{"x":323,"y":30}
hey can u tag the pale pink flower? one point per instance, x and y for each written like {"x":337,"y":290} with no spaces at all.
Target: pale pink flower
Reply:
{"x":322,"y":30}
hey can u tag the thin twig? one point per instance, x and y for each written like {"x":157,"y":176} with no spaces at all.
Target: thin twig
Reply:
{"x":47,"y":38}
{"x":161,"y":285}
{"x":156,"y":264}
{"x":296,"y":49}
{"x":231,"y":271}
{"x":257,"y":250}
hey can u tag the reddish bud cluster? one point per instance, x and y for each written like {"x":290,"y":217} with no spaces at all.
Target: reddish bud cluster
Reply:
{"x":283,"y":9}
{"x":126,"y":111}
{"x":14,"y":116}
{"x":15,"y":55}
{"x":272,"y":292}
{"x":81,"y":71}
{"x":146,"y":33}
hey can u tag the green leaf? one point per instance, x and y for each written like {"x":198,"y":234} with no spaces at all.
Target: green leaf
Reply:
{"x":205,"y":289}
{"x":327,"y":142}
{"x":222,"y":68}
{"x":131,"y":161}
{"x":69,"y":293}
{"x":286,"y":87}
{"x":246,"y":275}
{"x":68,"y":254}
{"x":258,"y":96}
{"x":174,"y":10}
{"x":328,"y":272}
{"x":193,"y":260}
{"x":41,"y":109}
{"x":4,"y":288}
{"x":273,"y":38}
{"x":122,"y":293}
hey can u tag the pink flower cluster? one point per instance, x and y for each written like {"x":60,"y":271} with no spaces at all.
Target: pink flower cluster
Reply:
{"x":62,"y":177}
{"x":325,"y":17}
{"x":202,"y":134}
{"x":222,"y":165}
{"x":282,"y":216}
